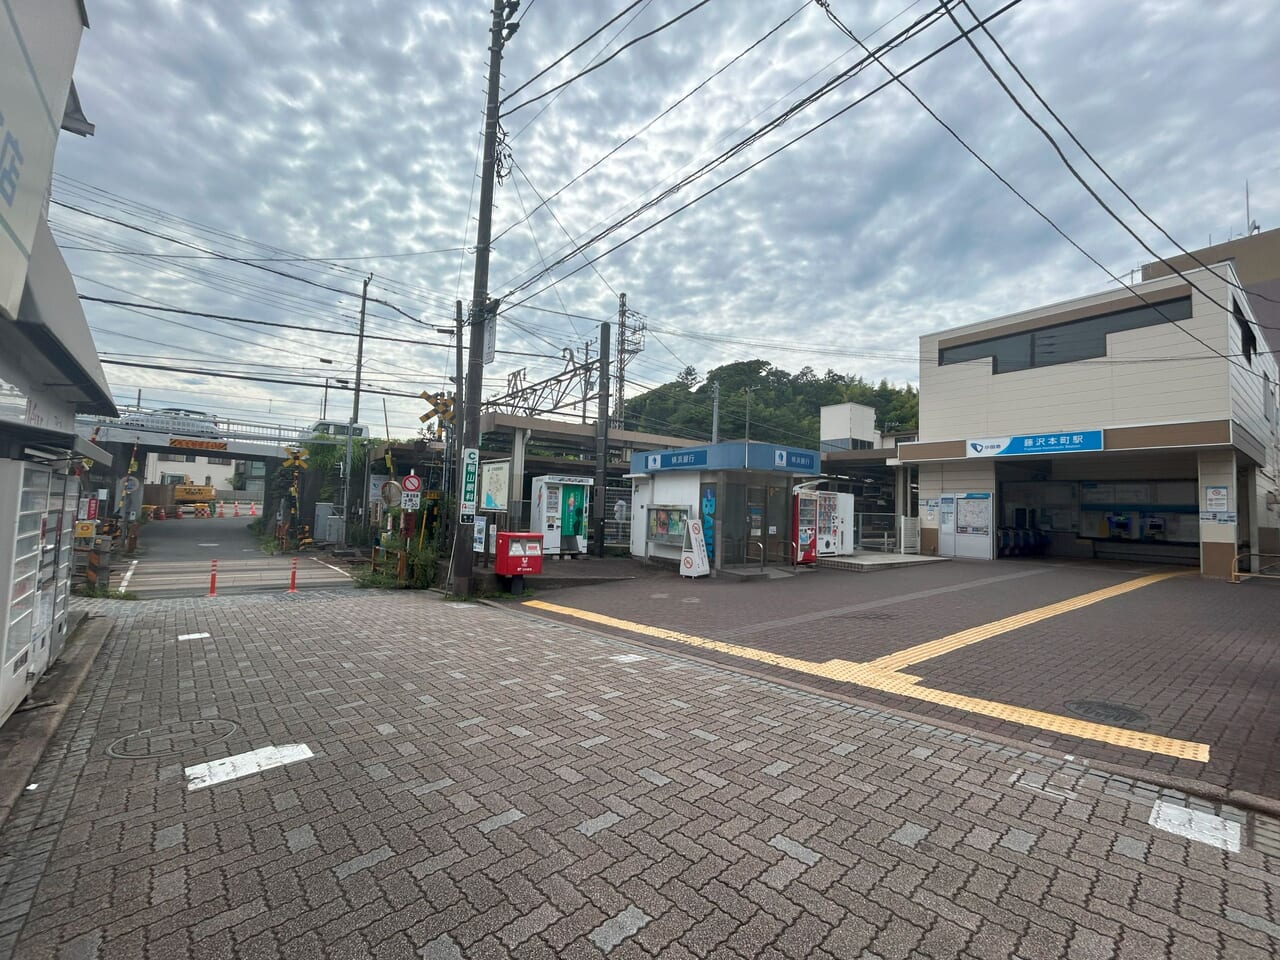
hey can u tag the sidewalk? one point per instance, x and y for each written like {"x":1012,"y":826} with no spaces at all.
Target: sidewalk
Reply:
{"x":483,"y":784}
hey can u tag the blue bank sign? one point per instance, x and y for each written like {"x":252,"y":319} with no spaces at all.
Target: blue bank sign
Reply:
{"x":676,"y":459}
{"x":1064,"y":441}
{"x":794,"y":460}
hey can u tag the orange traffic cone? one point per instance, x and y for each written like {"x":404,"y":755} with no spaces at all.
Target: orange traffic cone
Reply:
{"x":177,"y":511}
{"x":157,"y":513}
{"x":221,"y":506}
{"x":252,"y":511}
{"x":237,"y":510}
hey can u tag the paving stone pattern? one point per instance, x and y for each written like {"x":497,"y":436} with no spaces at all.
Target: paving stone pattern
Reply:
{"x":808,"y":827}
{"x":1197,"y":658}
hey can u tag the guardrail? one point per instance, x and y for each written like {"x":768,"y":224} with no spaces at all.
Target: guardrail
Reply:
{"x":1266,"y":570}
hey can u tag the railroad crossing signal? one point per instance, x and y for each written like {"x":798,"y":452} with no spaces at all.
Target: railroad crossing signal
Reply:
{"x":296,"y":458}
{"x":441,"y":406}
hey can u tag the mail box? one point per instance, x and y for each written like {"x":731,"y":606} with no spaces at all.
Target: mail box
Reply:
{"x":517,"y":554}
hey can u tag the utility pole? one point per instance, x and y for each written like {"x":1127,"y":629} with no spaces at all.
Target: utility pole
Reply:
{"x":715,"y":412}
{"x":463,"y":532}
{"x":621,"y":375}
{"x":458,"y":411}
{"x":602,"y":440}
{"x":355,"y":416}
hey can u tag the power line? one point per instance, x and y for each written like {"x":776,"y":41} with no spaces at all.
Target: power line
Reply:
{"x":897,"y":77}
{"x":215,"y":256}
{"x":1076,"y":140}
{"x":596,"y":66}
{"x":570,"y":52}
{"x":630,"y":138}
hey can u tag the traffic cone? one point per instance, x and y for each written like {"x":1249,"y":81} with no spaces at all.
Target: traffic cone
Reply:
{"x":237,"y":510}
{"x":221,"y":507}
{"x":252,"y":511}
{"x":177,"y":511}
{"x":157,"y":513}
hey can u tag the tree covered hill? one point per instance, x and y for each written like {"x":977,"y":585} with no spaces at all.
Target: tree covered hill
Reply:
{"x":783,"y":407}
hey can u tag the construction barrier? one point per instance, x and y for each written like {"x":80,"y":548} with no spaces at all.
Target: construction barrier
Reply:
{"x":200,"y":511}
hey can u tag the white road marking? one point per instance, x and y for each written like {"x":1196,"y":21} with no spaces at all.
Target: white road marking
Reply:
{"x":242,"y":765}
{"x":332,"y":567}
{"x":1194,"y":825}
{"x":208,"y":544}
{"x":192,"y":636}
{"x":128,"y":575}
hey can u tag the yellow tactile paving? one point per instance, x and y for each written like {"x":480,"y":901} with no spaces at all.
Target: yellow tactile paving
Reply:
{"x":876,"y":676}
{"x":936,"y":648}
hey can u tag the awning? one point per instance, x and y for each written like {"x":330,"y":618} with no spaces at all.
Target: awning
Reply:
{"x":54,"y":443}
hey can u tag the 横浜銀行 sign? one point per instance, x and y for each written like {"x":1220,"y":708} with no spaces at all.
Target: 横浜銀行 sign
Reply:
{"x":1063,"y":441}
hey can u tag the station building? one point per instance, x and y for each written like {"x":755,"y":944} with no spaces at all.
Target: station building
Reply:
{"x":1125,"y":425}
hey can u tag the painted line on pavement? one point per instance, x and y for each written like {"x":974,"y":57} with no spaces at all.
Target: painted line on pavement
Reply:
{"x":943,"y":645}
{"x":904,"y":685}
{"x":244,"y":764}
{"x":193,"y":636}
{"x":128,"y":575}
{"x":332,"y":567}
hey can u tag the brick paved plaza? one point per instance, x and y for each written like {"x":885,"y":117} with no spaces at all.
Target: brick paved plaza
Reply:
{"x":486,"y":784}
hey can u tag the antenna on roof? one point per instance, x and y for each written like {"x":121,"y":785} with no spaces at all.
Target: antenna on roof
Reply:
{"x":1250,"y":225}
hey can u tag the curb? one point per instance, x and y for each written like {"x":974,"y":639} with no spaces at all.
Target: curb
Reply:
{"x":1250,"y":802}
{"x":30,"y":733}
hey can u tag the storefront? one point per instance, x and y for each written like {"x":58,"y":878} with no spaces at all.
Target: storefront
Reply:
{"x":741,"y":493}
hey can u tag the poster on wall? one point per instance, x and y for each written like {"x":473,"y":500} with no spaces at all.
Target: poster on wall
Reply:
{"x":666,"y":524}
{"x":973,"y":514}
{"x":495,"y":485}
{"x":1217,"y":498}
{"x":709,"y":519}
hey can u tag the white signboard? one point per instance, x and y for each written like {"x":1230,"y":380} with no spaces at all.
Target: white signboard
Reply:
{"x":375,"y":487}
{"x":38,"y":44}
{"x":495,"y":486}
{"x":490,"y":336}
{"x":693,"y":557}
{"x":411,"y":500}
{"x":1217,"y":498}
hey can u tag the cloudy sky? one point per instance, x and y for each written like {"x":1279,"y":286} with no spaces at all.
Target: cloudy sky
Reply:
{"x":348,"y":130}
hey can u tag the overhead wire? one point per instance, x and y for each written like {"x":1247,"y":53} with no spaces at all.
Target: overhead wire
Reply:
{"x":897,"y":77}
{"x":596,"y":66}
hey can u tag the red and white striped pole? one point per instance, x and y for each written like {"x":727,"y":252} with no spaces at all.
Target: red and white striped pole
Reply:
{"x":293,"y":575}
{"x":213,"y":578}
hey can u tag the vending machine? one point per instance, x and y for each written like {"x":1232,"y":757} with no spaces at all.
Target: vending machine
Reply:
{"x":804,"y":522}
{"x":561,"y":511}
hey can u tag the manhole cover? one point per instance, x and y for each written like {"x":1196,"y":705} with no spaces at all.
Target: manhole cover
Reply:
{"x":172,"y":738}
{"x":1100,"y":711}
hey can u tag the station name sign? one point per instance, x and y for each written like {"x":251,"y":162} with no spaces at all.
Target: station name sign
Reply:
{"x":1033,"y":444}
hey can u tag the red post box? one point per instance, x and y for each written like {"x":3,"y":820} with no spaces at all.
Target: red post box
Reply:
{"x":516,"y":555}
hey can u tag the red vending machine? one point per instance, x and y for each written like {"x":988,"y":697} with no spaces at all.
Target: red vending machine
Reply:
{"x":804,"y":522}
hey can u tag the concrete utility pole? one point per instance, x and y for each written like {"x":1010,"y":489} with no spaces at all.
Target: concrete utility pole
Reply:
{"x":355,"y":417}
{"x":458,"y":411}
{"x":620,"y":393}
{"x":463,"y":532}
{"x":715,"y":412}
{"x":602,"y":440}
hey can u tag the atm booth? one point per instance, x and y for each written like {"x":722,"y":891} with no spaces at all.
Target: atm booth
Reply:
{"x":741,"y":495}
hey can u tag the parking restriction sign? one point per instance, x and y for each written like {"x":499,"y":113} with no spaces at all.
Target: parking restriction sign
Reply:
{"x":411,"y":483}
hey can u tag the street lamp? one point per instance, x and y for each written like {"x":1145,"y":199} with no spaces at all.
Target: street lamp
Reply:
{"x":324,"y":405}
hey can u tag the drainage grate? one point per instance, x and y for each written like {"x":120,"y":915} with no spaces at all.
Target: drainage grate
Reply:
{"x":172,"y":738}
{"x":1100,"y":711}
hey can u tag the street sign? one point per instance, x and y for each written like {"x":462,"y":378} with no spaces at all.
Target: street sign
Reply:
{"x":465,"y":518}
{"x":411,"y":500}
{"x":411,"y":483}
{"x":470,"y":472}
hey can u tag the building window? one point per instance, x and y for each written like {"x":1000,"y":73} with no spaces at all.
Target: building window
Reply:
{"x":1065,"y":342}
{"x":220,"y":461}
{"x":1248,"y":340}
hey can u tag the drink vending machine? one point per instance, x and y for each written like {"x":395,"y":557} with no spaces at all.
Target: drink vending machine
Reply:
{"x":561,"y":512}
{"x":825,"y":523}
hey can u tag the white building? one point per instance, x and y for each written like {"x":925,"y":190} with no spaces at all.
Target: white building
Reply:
{"x":49,"y":369}
{"x":216,"y":472}
{"x":1104,"y":427}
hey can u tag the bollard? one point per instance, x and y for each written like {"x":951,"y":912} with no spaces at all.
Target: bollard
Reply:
{"x":213,"y":578}
{"x":293,"y":575}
